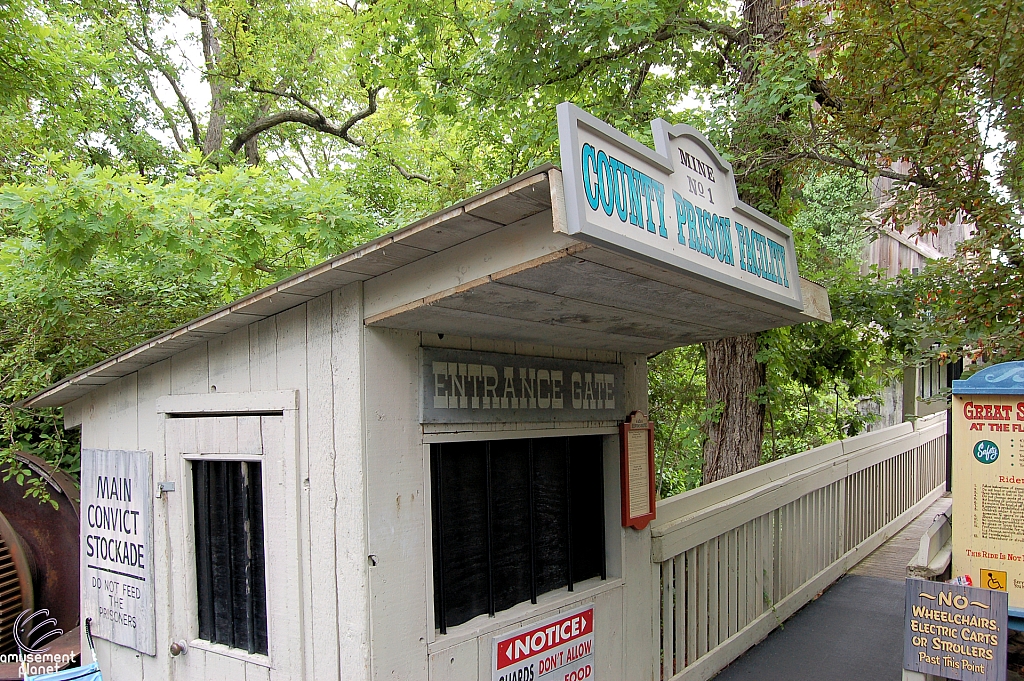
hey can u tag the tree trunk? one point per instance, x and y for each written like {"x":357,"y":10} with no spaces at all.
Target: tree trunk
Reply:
{"x":734,"y":376}
{"x":733,"y":379}
{"x":211,"y":52}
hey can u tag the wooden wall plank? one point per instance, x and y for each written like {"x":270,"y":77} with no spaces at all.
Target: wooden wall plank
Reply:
{"x":609,"y":636}
{"x":457,"y":663}
{"x":322,"y":521}
{"x":229,"y":362}
{"x":282,"y":492}
{"x":291,"y":367}
{"x":640,"y":645}
{"x":113,"y":424}
{"x":396,"y":515}
{"x":181,"y":436}
{"x":349,"y":481}
{"x":263,"y":354}
{"x":190,"y":371}
{"x":154,"y":381}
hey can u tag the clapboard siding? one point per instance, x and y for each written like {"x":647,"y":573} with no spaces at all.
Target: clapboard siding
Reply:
{"x":357,"y":488}
{"x":396,"y":514}
{"x":351,"y":551}
{"x":123,"y":415}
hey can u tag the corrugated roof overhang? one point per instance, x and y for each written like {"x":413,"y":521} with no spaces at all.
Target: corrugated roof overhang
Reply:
{"x":499,"y":265}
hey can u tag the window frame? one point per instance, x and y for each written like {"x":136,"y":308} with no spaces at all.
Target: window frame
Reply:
{"x":197,"y":417}
{"x":188,"y":499}
{"x":549,"y":601}
{"x":245,"y":458}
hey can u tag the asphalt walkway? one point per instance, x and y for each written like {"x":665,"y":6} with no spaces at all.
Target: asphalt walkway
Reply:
{"x":853,"y":631}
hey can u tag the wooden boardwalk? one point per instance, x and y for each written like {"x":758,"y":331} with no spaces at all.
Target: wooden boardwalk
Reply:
{"x":853,"y":631}
{"x":889,"y":560}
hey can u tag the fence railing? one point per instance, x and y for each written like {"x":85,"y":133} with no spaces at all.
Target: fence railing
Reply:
{"x":733,"y":559}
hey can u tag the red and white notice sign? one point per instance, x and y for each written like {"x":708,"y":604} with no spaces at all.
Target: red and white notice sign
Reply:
{"x":559,"y":649}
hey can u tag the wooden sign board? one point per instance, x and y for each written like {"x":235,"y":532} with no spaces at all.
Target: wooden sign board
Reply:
{"x":988,"y":479}
{"x":675,"y":206}
{"x":463,"y":386}
{"x":117,"y":547}
{"x":636,"y":438}
{"x":956,"y":632}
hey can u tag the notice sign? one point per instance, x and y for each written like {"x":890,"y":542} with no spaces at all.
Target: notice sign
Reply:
{"x":561,"y":648}
{"x":956,"y":632}
{"x":637,"y":472}
{"x":117,"y":547}
{"x":988,"y":479}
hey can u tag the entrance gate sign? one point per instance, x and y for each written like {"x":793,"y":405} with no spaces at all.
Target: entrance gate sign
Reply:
{"x":117,"y":547}
{"x":561,"y":648}
{"x":956,"y":632}
{"x":676,"y":207}
{"x":988,"y":480}
{"x":461,"y":386}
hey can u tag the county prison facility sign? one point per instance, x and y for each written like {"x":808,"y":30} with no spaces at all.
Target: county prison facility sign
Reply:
{"x":988,"y":480}
{"x":676,"y":206}
{"x":117,"y":547}
{"x":956,"y":632}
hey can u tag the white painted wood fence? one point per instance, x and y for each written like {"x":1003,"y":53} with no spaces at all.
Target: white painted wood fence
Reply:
{"x":734,"y":559}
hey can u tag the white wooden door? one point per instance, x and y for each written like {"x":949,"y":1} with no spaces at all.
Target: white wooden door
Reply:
{"x":271,"y":441}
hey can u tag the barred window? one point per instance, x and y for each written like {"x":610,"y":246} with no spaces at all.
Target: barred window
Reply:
{"x":514,"y":519}
{"x":230,"y":564}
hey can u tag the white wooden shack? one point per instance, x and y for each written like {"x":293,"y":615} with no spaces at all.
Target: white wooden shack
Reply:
{"x":344,"y":383}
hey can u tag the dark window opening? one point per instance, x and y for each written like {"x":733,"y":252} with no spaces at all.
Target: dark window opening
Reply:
{"x":230,"y":567}
{"x":513,"y":519}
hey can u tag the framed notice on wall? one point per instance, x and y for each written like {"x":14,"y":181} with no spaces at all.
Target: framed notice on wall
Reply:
{"x":636,"y":438}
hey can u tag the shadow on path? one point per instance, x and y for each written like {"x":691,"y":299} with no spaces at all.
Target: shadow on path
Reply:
{"x":853,"y":632}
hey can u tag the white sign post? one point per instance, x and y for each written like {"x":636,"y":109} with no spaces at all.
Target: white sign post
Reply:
{"x":560,"y":648}
{"x":117,"y":547}
{"x":675,"y":206}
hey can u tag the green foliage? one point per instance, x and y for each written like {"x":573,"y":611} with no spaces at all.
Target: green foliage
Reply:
{"x":93,"y":262}
{"x":676,"y":394}
{"x":144,"y":219}
{"x":817,"y":374}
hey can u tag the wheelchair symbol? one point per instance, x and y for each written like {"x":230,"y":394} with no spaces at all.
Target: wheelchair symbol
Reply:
{"x":993,"y":579}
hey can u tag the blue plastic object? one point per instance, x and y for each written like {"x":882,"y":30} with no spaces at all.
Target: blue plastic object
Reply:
{"x":90,"y":672}
{"x":1015,"y":619}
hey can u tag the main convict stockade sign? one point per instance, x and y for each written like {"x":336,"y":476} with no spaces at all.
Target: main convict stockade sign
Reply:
{"x":676,"y":206}
{"x":461,"y":386}
{"x":117,"y":547}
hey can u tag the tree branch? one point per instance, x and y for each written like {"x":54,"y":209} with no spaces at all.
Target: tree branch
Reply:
{"x":315,"y":119}
{"x":673,"y":26}
{"x":169,"y":76}
{"x":168,"y":117}
{"x":289,"y":95}
{"x":918,"y":179}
